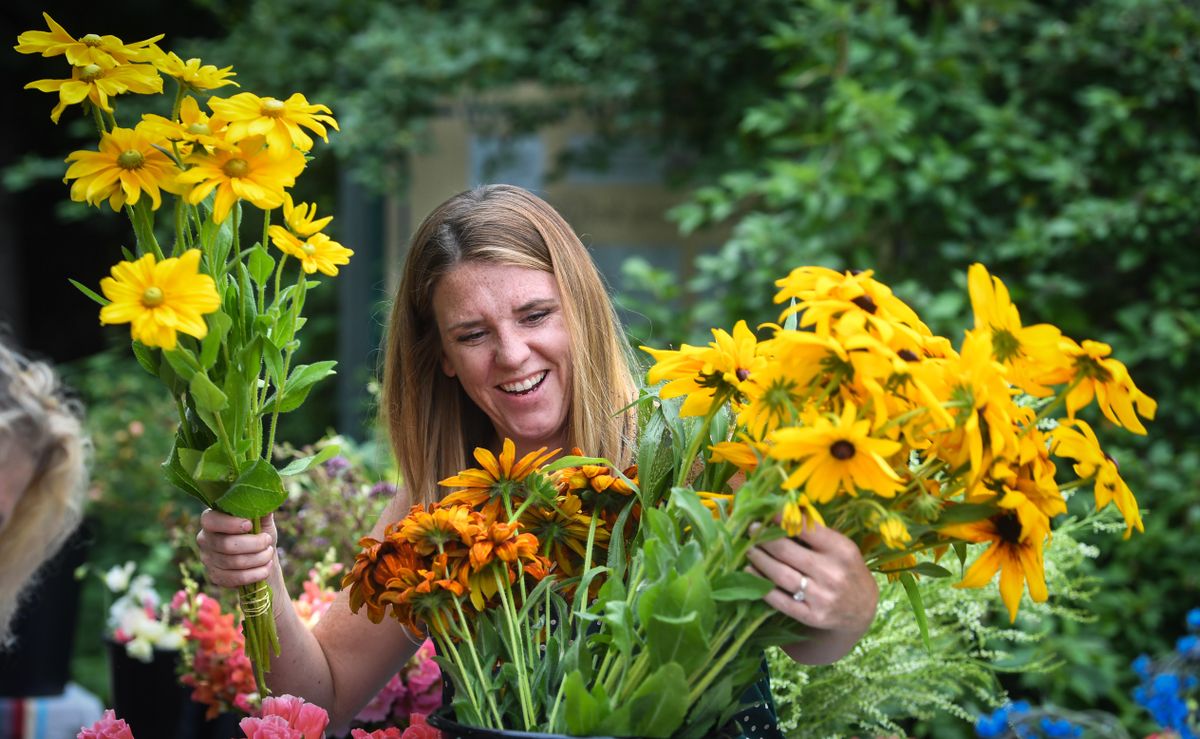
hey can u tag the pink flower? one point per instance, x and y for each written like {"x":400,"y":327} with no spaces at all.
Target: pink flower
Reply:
{"x":390,"y":732}
{"x":418,"y":729}
{"x":108,"y":727}
{"x":380,"y":707}
{"x":424,"y":687}
{"x":271,"y":727}
{"x":307,"y":718}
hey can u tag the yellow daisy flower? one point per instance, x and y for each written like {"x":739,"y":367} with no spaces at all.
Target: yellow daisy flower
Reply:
{"x":1075,"y":440}
{"x":798,"y":514}
{"x":702,"y":373}
{"x":192,"y":73}
{"x":894,"y":533}
{"x":738,"y":453}
{"x":837,"y":457}
{"x":317,"y":252}
{"x":127,"y":165}
{"x":280,"y":121}
{"x":302,"y":219}
{"x":89,"y":49}
{"x":1015,"y":552}
{"x":1107,"y":380}
{"x":193,"y":127}
{"x":1032,"y":352}
{"x":98,"y":83}
{"x":243,"y":172}
{"x":160,"y":299}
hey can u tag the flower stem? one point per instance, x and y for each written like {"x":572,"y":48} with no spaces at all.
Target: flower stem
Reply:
{"x":694,"y":448}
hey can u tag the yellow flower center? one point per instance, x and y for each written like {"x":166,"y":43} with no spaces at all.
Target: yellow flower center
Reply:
{"x":309,"y":249}
{"x":130,"y":159}
{"x":236,"y":168}
{"x":272,"y":108}
{"x":199,"y":129}
{"x":90,"y":72}
{"x":90,"y":40}
{"x":152,"y":296}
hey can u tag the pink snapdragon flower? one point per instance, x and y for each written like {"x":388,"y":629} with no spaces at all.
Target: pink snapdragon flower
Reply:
{"x":108,"y":727}
{"x":301,"y":720}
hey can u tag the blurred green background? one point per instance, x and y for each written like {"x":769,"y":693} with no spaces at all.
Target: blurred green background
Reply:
{"x":1057,"y":142}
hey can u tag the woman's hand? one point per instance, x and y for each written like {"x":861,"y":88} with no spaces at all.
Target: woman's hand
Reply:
{"x":233,"y":556}
{"x":821,"y":581}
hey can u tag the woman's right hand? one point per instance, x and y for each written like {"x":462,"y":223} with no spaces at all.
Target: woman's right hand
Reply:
{"x":233,"y":556}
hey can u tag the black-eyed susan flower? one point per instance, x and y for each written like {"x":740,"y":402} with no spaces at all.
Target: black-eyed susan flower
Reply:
{"x":191,"y":73}
{"x":282,"y":122}
{"x":194,"y":127}
{"x":894,"y":533}
{"x":98,"y":83}
{"x":705,"y":374}
{"x":1099,"y":376}
{"x":302,"y":219}
{"x":495,"y":479}
{"x":245,"y":171}
{"x":1033,"y":353}
{"x":160,"y":299}
{"x":845,"y":303}
{"x":741,"y":454}
{"x":80,"y":52}
{"x":1013,"y":550}
{"x":1075,"y":440}
{"x":127,"y":165}
{"x":316,"y":253}
{"x":798,"y":514}
{"x":838,"y":456}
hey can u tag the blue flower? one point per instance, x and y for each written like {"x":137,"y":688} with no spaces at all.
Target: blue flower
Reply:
{"x":1193,"y":618}
{"x":1187,"y":644}
{"x":1059,"y":727}
{"x":1019,"y":707}
{"x":1141,"y":665}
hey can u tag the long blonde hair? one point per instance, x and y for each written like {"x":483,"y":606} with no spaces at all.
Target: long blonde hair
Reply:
{"x":433,"y":425}
{"x":36,"y":420}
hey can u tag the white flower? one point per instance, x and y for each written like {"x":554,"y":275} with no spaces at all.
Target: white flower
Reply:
{"x":172,"y":638}
{"x":117,"y":578}
{"x":140,"y":649}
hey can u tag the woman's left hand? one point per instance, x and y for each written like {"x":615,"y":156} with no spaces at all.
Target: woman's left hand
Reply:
{"x":821,"y":581}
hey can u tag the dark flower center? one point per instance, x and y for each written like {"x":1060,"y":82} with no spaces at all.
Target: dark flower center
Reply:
{"x":907,"y":355}
{"x":841,"y":449}
{"x":1008,"y":528}
{"x":742,"y":374}
{"x":866,"y":303}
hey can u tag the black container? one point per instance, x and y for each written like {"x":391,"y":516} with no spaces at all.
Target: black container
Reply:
{"x":39,"y":664}
{"x":151,"y":700}
{"x":442,"y":720}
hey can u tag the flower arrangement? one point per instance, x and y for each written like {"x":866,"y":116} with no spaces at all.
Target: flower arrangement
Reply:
{"x":209,"y":315}
{"x":570,"y":595}
{"x":137,"y":619}
{"x":215,"y":664}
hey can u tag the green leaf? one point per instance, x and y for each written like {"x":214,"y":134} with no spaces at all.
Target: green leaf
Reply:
{"x":212,"y":465}
{"x":299,"y":384}
{"x":209,"y":398}
{"x":297,"y":466}
{"x":273,"y":358}
{"x":918,"y":605}
{"x":147,"y":357}
{"x":257,"y":491}
{"x":656,"y":708}
{"x":703,"y":525}
{"x":740,"y":586}
{"x":261,"y":264}
{"x":88,"y":292}
{"x":584,"y":710}
{"x":929,"y":569}
{"x":177,"y":474}
{"x":210,"y":346}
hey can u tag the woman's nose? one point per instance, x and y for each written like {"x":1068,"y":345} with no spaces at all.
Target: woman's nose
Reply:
{"x":511,"y":350}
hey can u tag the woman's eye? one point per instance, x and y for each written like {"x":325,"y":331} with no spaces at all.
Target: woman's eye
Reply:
{"x":535,"y":318}
{"x":470,"y":338}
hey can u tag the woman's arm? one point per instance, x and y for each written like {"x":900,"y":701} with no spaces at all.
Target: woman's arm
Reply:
{"x":345,"y":660}
{"x":821,"y":581}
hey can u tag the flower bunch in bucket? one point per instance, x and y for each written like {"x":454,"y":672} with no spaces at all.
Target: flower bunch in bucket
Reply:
{"x":213,"y":313}
{"x":570,"y":596}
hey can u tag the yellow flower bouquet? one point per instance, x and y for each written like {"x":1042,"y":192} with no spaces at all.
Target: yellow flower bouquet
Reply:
{"x":215,"y":319}
{"x":570,"y":596}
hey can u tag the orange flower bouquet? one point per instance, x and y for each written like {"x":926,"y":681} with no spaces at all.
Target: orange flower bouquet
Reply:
{"x":215,"y":318}
{"x":567,"y":596}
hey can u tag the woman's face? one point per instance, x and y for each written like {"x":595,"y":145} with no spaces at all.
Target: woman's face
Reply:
{"x":16,"y":472}
{"x":505,"y":338}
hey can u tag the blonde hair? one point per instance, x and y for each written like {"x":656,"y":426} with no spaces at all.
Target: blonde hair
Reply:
{"x":36,"y":420}
{"x":433,"y":425}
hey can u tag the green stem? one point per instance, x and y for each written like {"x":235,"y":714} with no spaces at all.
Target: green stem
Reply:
{"x":98,"y":119}
{"x":701,"y":434}
{"x":484,"y":678}
{"x":515,"y":648}
{"x":730,"y":653}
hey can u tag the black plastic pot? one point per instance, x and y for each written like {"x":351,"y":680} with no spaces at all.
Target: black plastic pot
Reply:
{"x":151,"y":700}
{"x":442,"y":720}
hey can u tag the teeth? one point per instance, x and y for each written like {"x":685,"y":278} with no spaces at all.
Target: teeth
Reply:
{"x":523,"y":385}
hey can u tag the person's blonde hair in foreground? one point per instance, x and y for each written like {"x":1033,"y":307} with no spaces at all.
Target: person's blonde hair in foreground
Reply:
{"x":42,"y":475}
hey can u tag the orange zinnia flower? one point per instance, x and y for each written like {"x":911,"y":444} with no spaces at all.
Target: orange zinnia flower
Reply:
{"x":499,"y":478}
